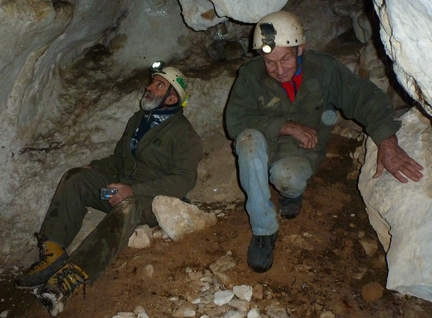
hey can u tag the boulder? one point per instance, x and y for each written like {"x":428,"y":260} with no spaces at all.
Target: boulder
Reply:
{"x":178,"y":218}
{"x":400,"y":213}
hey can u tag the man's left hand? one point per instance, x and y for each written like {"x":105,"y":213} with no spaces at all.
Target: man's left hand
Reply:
{"x":396,"y":161}
{"x":123,"y":191}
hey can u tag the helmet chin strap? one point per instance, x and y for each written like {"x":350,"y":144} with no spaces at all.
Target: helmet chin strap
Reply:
{"x":162,"y":102}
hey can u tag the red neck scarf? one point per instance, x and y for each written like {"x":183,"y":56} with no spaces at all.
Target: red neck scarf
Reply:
{"x":293,"y":86}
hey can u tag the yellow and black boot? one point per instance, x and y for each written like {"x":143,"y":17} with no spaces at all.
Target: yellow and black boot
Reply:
{"x":52,"y":257}
{"x":60,"y":287}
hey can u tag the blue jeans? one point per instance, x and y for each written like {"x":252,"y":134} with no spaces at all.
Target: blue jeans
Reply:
{"x":289,"y":175}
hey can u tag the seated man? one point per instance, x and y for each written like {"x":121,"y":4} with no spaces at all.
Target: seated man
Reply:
{"x":158,"y":154}
{"x":280,"y":114}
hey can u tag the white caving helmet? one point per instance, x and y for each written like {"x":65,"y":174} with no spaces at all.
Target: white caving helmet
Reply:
{"x":174,"y":77}
{"x":278,"y":29}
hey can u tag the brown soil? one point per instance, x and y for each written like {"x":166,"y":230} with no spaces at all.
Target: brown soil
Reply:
{"x":319,"y":264}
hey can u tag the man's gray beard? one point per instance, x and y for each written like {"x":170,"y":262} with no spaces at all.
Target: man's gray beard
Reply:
{"x":150,"y":104}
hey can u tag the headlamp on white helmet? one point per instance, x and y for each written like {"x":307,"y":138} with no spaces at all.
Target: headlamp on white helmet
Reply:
{"x":278,"y":29}
{"x":268,"y":33}
{"x":174,"y":77}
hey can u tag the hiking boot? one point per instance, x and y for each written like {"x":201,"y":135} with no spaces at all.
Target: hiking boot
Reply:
{"x":52,"y":257}
{"x":60,"y":287}
{"x":260,"y":252}
{"x":289,"y":208}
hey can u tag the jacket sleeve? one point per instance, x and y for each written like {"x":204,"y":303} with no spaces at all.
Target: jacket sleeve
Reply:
{"x":186,"y":151}
{"x":243,"y":109}
{"x":362,"y":100}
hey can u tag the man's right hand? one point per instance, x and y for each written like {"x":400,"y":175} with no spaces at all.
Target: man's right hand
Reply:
{"x":306,"y":135}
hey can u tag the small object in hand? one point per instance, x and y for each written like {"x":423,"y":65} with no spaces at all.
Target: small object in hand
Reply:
{"x":107,"y":193}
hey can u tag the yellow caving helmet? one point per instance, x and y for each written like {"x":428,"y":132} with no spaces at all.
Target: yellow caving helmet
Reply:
{"x":176,"y":79}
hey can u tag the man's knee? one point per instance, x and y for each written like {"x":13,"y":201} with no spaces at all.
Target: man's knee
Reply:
{"x":73,"y":174}
{"x":127,"y":206}
{"x":290,"y":176}
{"x":249,"y":141}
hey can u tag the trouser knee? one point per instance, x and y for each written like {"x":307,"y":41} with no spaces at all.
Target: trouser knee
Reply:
{"x":250,"y":141}
{"x":74,"y":175}
{"x":290,"y":175}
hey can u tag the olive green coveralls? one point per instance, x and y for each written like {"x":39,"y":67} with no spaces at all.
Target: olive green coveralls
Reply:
{"x":166,"y":163}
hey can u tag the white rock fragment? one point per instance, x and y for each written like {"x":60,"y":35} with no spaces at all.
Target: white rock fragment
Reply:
{"x":196,"y":301}
{"x":178,"y":218}
{"x":223,"y":278}
{"x":223,"y":264}
{"x":327,"y":314}
{"x":223,"y":297}
{"x":243,"y":292}
{"x":370,"y":246}
{"x":140,"y":312}
{"x":125,"y":315}
{"x":231,"y":206}
{"x":149,"y":270}
{"x":254,"y":313}
{"x":274,"y":311}
{"x":141,"y":238}
{"x":240,"y":304}
{"x":4,"y":314}
{"x":185,"y":310}
{"x":233,"y":314}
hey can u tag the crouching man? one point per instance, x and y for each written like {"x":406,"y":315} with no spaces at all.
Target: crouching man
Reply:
{"x":280,"y":114}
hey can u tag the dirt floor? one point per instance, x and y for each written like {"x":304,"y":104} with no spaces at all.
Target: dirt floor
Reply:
{"x":320,"y":264}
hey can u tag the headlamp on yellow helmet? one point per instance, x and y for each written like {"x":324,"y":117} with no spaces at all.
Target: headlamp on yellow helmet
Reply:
{"x":174,"y":77}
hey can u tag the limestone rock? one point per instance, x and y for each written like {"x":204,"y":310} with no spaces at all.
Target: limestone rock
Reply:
{"x":254,"y":313}
{"x":185,"y":310}
{"x":400,"y":212}
{"x":248,"y":11}
{"x":243,"y":292}
{"x":141,"y":238}
{"x":223,"y":297}
{"x":369,"y":245}
{"x":200,"y":14}
{"x":240,"y":304}
{"x":234,"y":314}
{"x":222,"y":264}
{"x":405,"y":46}
{"x":203,"y":14}
{"x":327,"y":314}
{"x":178,"y":218}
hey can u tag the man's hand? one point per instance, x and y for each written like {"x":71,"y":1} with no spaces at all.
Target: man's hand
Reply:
{"x":123,"y":191}
{"x":307,"y":136}
{"x":396,"y":161}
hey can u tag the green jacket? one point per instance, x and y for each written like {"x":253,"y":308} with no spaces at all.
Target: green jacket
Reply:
{"x":258,"y":101}
{"x":166,"y":159}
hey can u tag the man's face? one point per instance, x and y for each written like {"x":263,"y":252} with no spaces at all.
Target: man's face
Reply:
{"x":281,"y":63}
{"x":154,"y":93}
